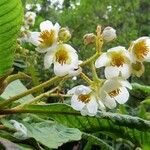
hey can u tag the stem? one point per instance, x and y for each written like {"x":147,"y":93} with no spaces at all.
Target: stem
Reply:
{"x":32,"y":90}
{"x":19,"y":75}
{"x":86,"y":78}
{"x":94,"y":73}
{"x":93,"y":58}
{"x":36,"y":99}
{"x":59,"y":95}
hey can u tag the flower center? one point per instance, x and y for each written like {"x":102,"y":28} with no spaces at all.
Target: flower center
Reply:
{"x":62,"y":56}
{"x":114,"y":93}
{"x":141,"y":49}
{"x":47,"y":38}
{"x":117,"y":59}
{"x":85,"y":98}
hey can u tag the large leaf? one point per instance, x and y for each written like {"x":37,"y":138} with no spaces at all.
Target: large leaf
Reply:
{"x":10,"y":20}
{"x":52,"y":135}
{"x":122,"y":126}
{"x":49,"y":134}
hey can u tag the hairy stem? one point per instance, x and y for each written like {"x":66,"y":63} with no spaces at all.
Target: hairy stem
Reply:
{"x":86,"y":78}
{"x":19,"y":75}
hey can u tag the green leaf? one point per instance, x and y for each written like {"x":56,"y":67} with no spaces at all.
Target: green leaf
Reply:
{"x":52,"y":135}
{"x":10,"y":21}
{"x":14,"y":88}
{"x":142,"y":89}
{"x":122,"y":126}
{"x":49,"y":134}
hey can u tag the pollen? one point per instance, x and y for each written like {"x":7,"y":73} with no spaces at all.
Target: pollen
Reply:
{"x":47,"y":38}
{"x":141,"y":49}
{"x":117,"y":59}
{"x":114,"y":93}
{"x":85,"y":98}
{"x":62,"y":56}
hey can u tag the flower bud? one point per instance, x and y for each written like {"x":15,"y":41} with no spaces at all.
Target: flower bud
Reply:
{"x":109,"y":34}
{"x":138,"y":69}
{"x":30,"y":18}
{"x":64,"y":34}
{"x":89,"y":38}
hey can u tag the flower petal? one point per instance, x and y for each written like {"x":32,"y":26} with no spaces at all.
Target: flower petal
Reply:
{"x":76,"y":104}
{"x":125,"y":83}
{"x":111,"y":72}
{"x":92,"y":106}
{"x":123,"y":96}
{"x":77,"y":90}
{"x":147,"y":58}
{"x":83,"y":90}
{"x":84,"y":111}
{"x":101,"y":105}
{"x":75,"y":71}
{"x":61,"y":70}
{"x":116,"y":49}
{"x":109,"y":102}
{"x":125,"y":71}
{"x":48,"y":60}
{"x":101,"y":61}
{"x":35,"y":38}
{"x":46,"y":25}
{"x":57,"y":27}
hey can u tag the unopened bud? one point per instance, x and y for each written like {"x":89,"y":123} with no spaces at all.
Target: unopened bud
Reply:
{"x":109,"y":34}
{"x":64,"y":34}
{"x":89,"y":38}
{"x":138,"y":69}
{"x":30,"y":18}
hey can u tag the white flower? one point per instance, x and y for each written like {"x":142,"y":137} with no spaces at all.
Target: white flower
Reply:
{"x":114,"y":90}
{"x":109,"y":8}
{"x":64,"y":58}
{"x":47,"y":38}
{"x":117,"y":62}
{"x":83,"y":100}
{"x":140,"y":49}
{"x":109,"y":34}
{"x":30,"y":18}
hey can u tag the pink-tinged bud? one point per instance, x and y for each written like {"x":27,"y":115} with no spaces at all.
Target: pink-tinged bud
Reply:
{"x":89,"y":38}
{"x":109,"y":34}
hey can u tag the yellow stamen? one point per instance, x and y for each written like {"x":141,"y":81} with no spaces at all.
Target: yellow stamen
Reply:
{"x":85,"y":98}
{"x":117,"y":59}
{"x":47,"y":38}
{"x":141,"y":49}
{"x":62,"y":56}
{"x":114,"y":93}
